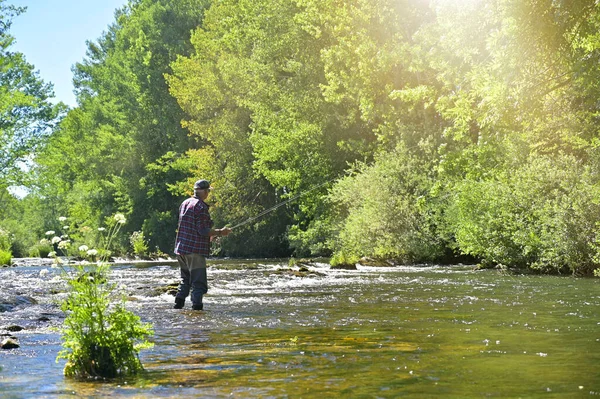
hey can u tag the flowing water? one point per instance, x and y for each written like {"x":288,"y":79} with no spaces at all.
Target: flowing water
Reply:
{"x":414,"y":332}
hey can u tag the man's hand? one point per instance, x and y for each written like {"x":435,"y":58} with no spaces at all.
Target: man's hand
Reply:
{"x":225,"y":231}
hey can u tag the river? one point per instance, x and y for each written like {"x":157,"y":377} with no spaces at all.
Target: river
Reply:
{"x":267,"y":332}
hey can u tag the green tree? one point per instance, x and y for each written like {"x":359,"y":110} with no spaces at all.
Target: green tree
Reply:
{"x":26,"y":114}
{"x":263,"y":77}
{"x":102,"y":159}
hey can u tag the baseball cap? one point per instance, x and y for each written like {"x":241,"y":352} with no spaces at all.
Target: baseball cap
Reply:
{"x":202,"y":185}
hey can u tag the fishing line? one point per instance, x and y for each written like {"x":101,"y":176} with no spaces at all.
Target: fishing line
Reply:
{"x":271,"y":209}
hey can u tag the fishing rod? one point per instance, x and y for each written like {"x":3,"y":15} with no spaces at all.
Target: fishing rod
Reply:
{"x":271,"y":209}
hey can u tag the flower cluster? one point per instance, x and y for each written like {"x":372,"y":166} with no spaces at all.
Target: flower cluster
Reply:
{"x":64,"y":245}
{"x":120,"y":218}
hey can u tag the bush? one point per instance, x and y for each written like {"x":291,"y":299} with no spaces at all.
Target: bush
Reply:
{"x":159,"y":230}
{"x":5,"y":240}
{"x":41,"y":249}
{"x":544,"y":215}
{"x":139,"y":244}
{"x":381,"y":212}
{"x":100,"y":337}
{"x":5,"y":257}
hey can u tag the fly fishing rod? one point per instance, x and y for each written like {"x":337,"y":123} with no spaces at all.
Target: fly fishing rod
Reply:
{"x":271,"y":209}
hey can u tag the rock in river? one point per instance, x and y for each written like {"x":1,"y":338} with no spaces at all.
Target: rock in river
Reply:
{"x":9,"y":343}
{"x":8,"y":303}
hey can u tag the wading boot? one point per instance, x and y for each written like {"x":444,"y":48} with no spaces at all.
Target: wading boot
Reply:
{"x":179,"y":303}
{"x":198,"y":306}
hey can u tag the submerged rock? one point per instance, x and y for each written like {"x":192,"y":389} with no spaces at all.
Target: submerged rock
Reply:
{"x":8,"y":303}
{"x":170,"y":289}
{"x":32,"y":262}
{"x":14,"y":328}
{"x":301,"y":272}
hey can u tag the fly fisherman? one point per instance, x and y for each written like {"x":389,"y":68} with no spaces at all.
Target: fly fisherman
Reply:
{"x":192,"y":245}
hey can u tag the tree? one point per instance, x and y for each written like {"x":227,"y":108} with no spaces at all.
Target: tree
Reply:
{"x":107,"y":149}
{"x":26,"y":114}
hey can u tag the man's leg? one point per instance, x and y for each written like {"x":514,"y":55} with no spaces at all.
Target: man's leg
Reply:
{"x":199,"y":280}
{"x":184,"y":286}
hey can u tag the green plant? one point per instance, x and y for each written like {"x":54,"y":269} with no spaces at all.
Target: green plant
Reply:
{"x":139,"y":244}
{"x":41,"y":249}
{"x":343,"y":259}
{"x":543,"y":215}
{"x":382,"y":213}
{"x":5,"y":244}
{"x":5,"y":240}
{"x":101,"y":338}
{"x":5,"y":257}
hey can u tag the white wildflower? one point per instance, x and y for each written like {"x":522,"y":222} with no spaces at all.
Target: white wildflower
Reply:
{"x":120,"y":218}
{"x":45,"y":241}
{"x":92,"y":252}
{"x":64,"y":237}
{"x":62,"y":218}
{"x":52,"y":254}
{"x":83,"y":248}
{"x":64,"y":244}
{"x":44,"y":273}
{"x":55,"y":240}
{"x":50,"y":232}
{"x":66,"y":227}
{"x":101,"y":229}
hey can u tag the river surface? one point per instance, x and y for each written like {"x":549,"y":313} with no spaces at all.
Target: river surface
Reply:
{"x":414,"y":332}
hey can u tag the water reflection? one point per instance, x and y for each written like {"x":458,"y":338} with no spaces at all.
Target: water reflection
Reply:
{"x":371,"y":332}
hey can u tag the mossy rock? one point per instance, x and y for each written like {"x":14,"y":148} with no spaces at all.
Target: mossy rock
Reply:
{"x":374,"y":262}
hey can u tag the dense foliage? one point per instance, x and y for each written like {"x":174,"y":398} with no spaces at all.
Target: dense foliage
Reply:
{"x":427,"y":131}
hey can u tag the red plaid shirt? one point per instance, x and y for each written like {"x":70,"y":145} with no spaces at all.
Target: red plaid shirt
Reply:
{"x":194,"y":226}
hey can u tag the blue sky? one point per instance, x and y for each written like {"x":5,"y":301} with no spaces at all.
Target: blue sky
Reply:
{"x":52,"y":35}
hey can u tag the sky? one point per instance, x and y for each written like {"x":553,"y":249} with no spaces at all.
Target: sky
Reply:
{"x":52,"y":35}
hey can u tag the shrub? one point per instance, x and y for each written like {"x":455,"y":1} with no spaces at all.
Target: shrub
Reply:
{"x":381,"y":212}
{"x":5,"y":240}
{"x":5,"y":257}
{"x":139,"y":244}
{"x":158,"y":230}
{"x":543,"y":215}
{"x":41,"y":249}
{"x":101,"y":338}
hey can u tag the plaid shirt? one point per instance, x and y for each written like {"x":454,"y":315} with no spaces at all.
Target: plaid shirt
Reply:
{"x":194,"y":225}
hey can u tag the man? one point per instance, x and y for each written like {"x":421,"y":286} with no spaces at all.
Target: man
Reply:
{"x":192,"y":245}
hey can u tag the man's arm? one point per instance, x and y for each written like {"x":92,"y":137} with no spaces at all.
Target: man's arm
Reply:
{"x":206,"y":224}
